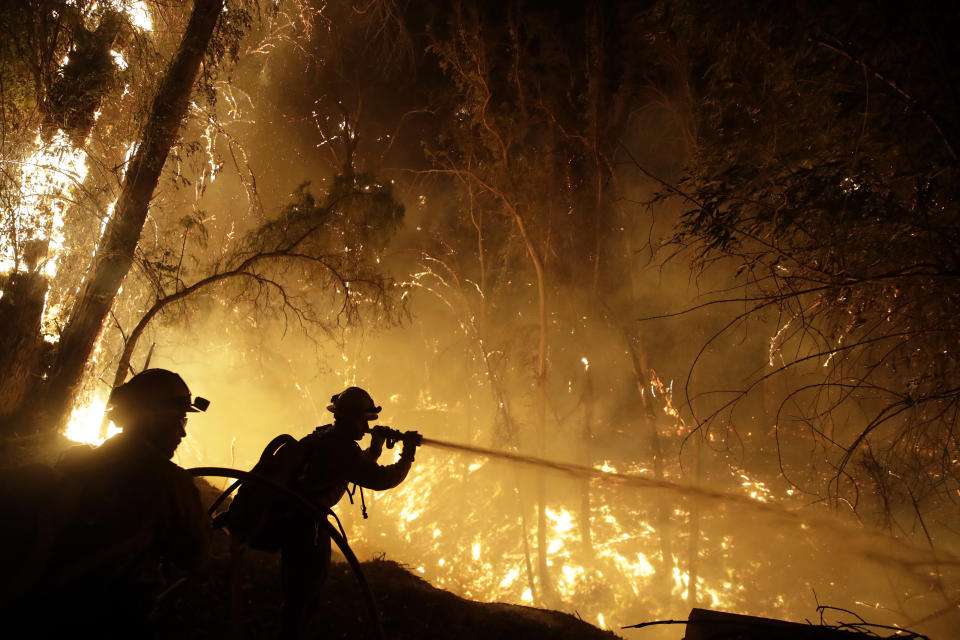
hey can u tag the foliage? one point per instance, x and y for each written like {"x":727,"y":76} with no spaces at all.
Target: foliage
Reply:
{"x":337,"y":242}
{"x":825,"y":166}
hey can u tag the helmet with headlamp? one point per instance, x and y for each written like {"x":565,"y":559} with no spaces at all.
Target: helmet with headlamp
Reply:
{"x":354,"y":402}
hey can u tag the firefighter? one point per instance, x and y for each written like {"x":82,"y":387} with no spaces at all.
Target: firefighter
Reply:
{"x":136,"y":519}
{"x":329,"y":459}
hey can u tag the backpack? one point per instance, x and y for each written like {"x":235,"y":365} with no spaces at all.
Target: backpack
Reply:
{"x":257,"y":516}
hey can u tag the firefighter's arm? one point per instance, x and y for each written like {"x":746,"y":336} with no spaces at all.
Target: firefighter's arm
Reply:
{"x":376,"y":445}
{"x":368,"y":474}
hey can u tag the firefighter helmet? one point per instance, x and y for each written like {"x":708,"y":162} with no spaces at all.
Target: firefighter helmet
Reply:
{"x":354,"y":401}
{"x":157,"y":389}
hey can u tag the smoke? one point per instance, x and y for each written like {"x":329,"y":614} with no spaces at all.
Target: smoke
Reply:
{"x":460,"y":520}
{"x":644,"y":515}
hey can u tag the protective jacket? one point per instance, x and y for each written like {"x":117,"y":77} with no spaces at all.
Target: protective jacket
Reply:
{"x":332,"y":460}
{"x":124,"y":514}
{"x":134,"y":499}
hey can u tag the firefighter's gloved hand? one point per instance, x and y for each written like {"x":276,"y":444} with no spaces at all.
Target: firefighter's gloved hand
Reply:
{"x":411,"y":440}
{"x":380,"y":431}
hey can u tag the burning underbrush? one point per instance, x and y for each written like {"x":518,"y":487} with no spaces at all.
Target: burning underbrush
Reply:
{"x":470,"y":527}
{"x":618,"y":552}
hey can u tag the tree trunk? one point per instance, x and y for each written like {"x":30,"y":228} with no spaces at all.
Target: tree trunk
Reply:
{"x":114,"y":254}
{"x":524,"y":536}
{"x":21,"y":345}
{"x":693,"y":549}
{"x":586,"y":460}
{"x":547,"y":592}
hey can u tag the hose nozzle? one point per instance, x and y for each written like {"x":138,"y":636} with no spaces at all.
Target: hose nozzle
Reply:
{"x":392,"y":436}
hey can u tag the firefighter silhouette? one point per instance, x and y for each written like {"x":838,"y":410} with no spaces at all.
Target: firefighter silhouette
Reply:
{"x":319,"y":467}
{"x":120,"y":520}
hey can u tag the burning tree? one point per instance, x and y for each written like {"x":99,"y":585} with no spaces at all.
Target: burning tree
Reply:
{"x":74,"y":313}
{"x":73,"y":105}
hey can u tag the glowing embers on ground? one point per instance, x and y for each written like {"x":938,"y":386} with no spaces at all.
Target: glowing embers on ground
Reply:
{"x":617,"y":547}
{"x":468,"y":528}
{"x":756,"y":489}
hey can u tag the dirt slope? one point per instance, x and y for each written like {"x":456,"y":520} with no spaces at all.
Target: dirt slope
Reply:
{"x":410,"y":608}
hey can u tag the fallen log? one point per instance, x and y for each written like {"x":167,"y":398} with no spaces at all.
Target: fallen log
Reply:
{"x":704,"y":624}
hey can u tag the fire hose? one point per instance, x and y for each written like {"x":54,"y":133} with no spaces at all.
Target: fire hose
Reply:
{"x":320,"y":514}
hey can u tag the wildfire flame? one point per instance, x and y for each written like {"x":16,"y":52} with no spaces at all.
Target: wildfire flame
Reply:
{"x":47,"y":178}
{"x":139,"y":14}
{"x":84,"y":424}
{"x":489,"y":565}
